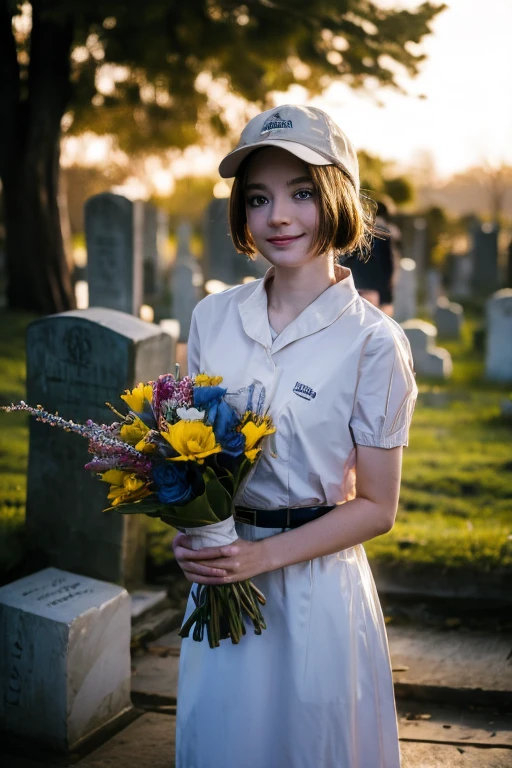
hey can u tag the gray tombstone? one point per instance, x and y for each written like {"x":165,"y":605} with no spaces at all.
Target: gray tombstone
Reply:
{"x":434,"y":289}
{"x":114,"y":237}
{"x":64,"y":657}
{"x":77,"y":361}
{"x":461,"y":272}
{"x":221,"y":260}
{"x":498,"y":361}
{"x":220,"y":256}
{"x":405,"y":291}
{"x":156,"y":230}
{"x":429,"y":360}
{"x":484,"y":257}
{"x":186,"y":282}
{"x":448,"y":318}
{"x":150,"y":252}
{"x":420,"y":246}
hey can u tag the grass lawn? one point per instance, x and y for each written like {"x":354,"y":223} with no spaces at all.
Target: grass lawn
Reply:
{"x":456,"y":499}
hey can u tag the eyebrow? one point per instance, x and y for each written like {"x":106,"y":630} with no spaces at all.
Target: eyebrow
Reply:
{"x":291,"y":183}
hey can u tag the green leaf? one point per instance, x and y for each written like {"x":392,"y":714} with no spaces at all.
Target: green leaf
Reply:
{"x":218,"y":497}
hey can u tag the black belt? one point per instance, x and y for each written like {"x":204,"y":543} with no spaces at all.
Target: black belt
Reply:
{"x":279,"y":518}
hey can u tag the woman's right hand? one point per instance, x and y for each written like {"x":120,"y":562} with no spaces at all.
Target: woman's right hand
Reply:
{"x":196,"y":571}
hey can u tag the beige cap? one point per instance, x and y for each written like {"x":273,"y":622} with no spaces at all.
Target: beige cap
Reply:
{"x":306,"y":132}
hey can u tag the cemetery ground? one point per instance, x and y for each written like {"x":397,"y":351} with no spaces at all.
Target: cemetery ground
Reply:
{"x":455,"y":515}
{"x":453,"y":531}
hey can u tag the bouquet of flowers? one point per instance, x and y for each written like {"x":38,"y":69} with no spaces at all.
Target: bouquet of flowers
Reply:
{"x":180,"y":454}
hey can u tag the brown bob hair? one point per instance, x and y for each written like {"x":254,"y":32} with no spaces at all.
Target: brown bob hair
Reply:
{"x":345,"y":222}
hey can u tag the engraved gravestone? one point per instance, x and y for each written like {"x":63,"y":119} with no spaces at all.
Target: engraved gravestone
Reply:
{"x":77,"y":361}
{"x":498,"y":361}
{"x":64,"y":656}
{"x":115,"y":241}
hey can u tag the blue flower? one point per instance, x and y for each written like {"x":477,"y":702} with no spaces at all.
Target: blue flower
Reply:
{"x":224,"y":427}
{"x":222,"y":417}
{"x":173,"y":485}
{"x":208,"y":399}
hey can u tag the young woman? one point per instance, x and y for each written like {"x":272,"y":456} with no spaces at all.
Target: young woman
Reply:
{"x":315,"y":689}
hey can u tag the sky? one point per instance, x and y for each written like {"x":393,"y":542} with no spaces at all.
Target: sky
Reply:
{"x":466,"y":117}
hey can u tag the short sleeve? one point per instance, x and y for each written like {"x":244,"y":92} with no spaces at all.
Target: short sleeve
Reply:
{"x":386,"y":391}
{"x":193,"y":348}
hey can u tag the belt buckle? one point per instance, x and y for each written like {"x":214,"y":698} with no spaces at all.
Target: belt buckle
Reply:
{"x":249,"y":514}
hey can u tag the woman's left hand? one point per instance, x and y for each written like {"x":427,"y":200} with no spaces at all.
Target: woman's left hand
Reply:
{"x":240,"y":560}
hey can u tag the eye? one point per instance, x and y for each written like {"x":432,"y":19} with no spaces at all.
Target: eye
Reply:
{"x":304,"y":194}
{"x":256,"y":201}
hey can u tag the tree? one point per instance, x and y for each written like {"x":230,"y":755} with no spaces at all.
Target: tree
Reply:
{"x":159,"y":58}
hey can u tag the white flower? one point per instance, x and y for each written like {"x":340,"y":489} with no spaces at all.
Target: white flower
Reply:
{"x":190,"y":414}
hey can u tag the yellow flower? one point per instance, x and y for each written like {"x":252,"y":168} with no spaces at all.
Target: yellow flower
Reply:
{"x":136,"y":397}
{"x":134,"y":432}
{"x":203,"y":380}
{"x":125,"y":486}
{"x":193,"y":440}
{"x":255,"y":429}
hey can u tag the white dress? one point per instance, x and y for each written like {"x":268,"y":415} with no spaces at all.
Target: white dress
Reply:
{"x":315,"y":689}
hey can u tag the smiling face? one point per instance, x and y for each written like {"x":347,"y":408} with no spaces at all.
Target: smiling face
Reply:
{"x":281,"y":207}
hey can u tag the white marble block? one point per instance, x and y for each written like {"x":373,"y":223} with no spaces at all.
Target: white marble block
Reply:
{"x":498,"y":359}
{"x":429,"y":360}
{"x":64,"y":656}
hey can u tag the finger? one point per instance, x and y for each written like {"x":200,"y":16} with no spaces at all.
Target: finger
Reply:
{"x":208,"y":553}
{"x":229,"y":550}
{"x":203,"y":570}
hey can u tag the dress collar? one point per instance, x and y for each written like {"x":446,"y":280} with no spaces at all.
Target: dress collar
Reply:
{"x":322,"y":312}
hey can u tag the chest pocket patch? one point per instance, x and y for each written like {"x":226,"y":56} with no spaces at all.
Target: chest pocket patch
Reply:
{"x":302,"y":390}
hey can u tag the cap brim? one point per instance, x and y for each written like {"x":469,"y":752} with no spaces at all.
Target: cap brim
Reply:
{"x":229,"y":166}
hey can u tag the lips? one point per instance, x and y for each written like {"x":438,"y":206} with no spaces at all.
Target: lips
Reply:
{"x":283,"y":239}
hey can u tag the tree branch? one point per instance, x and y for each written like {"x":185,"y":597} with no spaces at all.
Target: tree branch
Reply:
{"x":9,"y":88}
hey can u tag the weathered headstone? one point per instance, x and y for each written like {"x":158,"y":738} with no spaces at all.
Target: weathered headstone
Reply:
{"x":405,"y":291}
{"x":64,"y":656}
{"x":498,"y":361}
{"x":77,"y":361}
{"x":150,"y":252}
{"x":156,"y":230}
{"x":220,"y":256}
{"x":434,"y":288}
{"x":429,"y":360}
{"x":221,"y":261}
{"x":186,"y":282}
{"x":420,"y":246}
{"x":484,"y":256}
{"x":448,"y":318}
{"x":460,"y":281}
{"x":114,"y":236}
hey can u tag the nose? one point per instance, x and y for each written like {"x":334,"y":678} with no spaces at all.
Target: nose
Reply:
{"x":279,"y":212}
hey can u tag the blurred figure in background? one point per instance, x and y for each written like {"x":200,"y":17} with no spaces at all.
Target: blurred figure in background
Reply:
{"x":375,"y":278}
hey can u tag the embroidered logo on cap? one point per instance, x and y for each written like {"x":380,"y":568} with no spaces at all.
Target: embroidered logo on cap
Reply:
{"x":275,"y":122}
{"x":302,"y":390}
